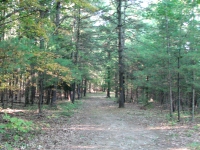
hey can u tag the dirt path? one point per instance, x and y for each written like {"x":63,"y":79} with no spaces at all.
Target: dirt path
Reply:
{"x":100,"y":124}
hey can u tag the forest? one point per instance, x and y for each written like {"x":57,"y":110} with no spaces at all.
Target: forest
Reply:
{"x":139,"y":52}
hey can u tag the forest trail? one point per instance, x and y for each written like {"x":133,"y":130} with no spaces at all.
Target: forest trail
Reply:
{"x":100,"y":124}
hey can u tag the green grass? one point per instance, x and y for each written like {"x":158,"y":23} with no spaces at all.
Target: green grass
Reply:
{"x":189,"y":133}
{"x":196,"y":127}
{"x":171,"y":121}
{"x":67,"y":108}
{"x":194,"y":146}
{"x":113,"y":99}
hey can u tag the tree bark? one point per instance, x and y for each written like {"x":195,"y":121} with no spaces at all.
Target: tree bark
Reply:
{"x":3,"y":26}
{"x":27,"y":89}
{"x":57,"y":23}
{"x":20,"y":88}
{"x":116,"y":85}
{"x":85,"y":87}
{"x":32,"y":88}
{"x":193,"y":87}
{"x":40,"y":92}
{"x":2,"y":98}
{"x":120,"y":53}
{"x":193,"y":103}
{"x":90,"y":87}
{"x":178,"y":82}
{"x":73,"y":92}
{"x":78,"y":91}
{"x":54,"y":96}
{"x":41,"y":74}
{"x":169,"y":67}
{"x":178,"y":76}
{"x":108,"y":83}
{"x":48,"y":93}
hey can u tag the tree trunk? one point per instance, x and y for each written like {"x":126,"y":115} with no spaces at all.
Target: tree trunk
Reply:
{"x":2,"y":98}
{"x":17,"y":88}
{"x":73,"y":95}
{"x":78,"y":91}
{"x":27,"y":89}
{"x":178,"y":82}
{"x":43,"y":14}
{"x":33,"y":88}
{"x":40,"y":92}
{"x":10,"y":91}
{"x":57,"y":21}
{"x":54,"y":96}
{"x":131,"y":94}
{"x":169,"y":67}
{"x":120,"y":53}
{"x":6,"y":97}
{"x":178,"y":76}
{"x":13,"y":91}
{"x":109,"y":75}
{"x":3,"y":26}
{"x":69,"y":95}
{"x":82,"y":86}
{"x":33,"y":92}
{"x":108,"y":83}
{"x":85,"y":87}
{"x":20,"y":88}
{"x":193,"y":97}
{"x":48,"y":96}
{"x":90,"y":87}
{"x":116,"y":85}
{"x":193,"y":87}
{"x":136,"y":93}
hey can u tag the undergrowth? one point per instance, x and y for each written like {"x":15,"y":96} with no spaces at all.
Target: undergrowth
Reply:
{"x":67,"y":109}
{"x":14,"y":131}
{"x":194,"y":146}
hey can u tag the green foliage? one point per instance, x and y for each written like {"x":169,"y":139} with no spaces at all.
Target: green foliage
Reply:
{"x":189,"y":133}
{"x":186,"y":116}
{"x":143,"y":100}
{"x":7,"y":146}
{"x":174,"y":135}
{"x":14,"y":131}
{"x":196,"y":127}
{"x":67,"y":109}
{"x":112,"y":98}
{"x":15,"y":124}
{"x":194,"y":145}
{"x":171,"y":120}
{"x":85,"y":4}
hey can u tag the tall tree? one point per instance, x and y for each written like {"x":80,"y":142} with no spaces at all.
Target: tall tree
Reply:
{"x":120,"y":53}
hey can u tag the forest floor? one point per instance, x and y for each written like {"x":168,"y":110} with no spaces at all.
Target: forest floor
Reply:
{"x":99,"y":124}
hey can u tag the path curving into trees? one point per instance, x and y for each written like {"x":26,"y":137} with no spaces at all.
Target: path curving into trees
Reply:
{"x":100,"y":124}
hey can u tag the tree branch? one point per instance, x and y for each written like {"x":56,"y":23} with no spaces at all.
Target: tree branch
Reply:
{"x":14,"y":19}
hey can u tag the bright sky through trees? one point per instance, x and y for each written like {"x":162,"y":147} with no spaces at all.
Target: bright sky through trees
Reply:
{"x":145,"y":3}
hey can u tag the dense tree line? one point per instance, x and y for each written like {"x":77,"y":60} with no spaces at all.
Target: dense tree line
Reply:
{"x":141,"y":52}
{"x":158,"y":60}
{"x":40,"y":43}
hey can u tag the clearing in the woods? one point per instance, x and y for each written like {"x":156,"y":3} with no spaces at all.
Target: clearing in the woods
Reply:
{"x":100,"y":124}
